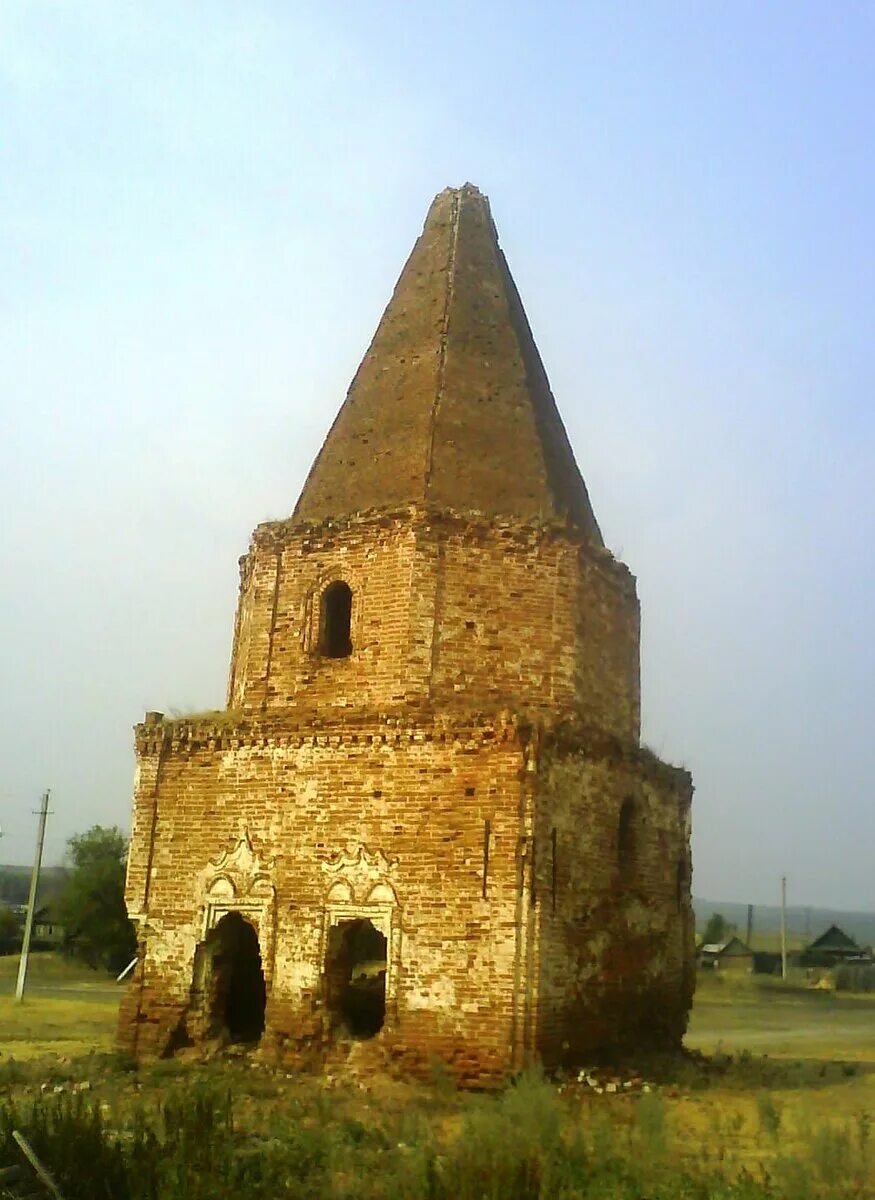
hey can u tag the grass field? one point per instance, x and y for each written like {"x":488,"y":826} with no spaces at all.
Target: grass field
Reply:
{"x":777,"y":1100}
{"x":796,"y":1072}
{"x":68,"y":1010}
{"x":759,"y":1014}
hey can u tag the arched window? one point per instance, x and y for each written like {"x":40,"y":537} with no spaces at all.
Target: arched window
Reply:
{"x":355,"y":976}
{"x":626,"y":848}
{"x":334,"y":621}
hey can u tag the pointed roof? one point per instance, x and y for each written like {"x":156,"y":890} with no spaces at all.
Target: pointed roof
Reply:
{"x":834,"y":939}
{"x":451,"y":405}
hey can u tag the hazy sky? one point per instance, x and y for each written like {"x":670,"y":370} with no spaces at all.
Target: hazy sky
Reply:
{"x":203,"y":210}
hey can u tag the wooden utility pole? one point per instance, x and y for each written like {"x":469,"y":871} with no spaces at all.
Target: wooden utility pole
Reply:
{"x":783,"y":926}
{"x":31,"y":900}
{"x":749,"y":925}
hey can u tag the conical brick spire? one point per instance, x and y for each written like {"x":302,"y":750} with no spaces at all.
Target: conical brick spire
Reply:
{"x":451,"y":405}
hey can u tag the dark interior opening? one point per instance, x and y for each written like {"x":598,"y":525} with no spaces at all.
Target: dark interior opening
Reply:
{"x":238,"y":994}
{"x":626,"y":837}
{"x":335,"y":640}
{"x":355,"y":976}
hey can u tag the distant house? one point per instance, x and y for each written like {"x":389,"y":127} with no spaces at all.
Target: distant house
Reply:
{"x":46,"y":928}
{"x":732,"y":955}
{"x":834,"y":947}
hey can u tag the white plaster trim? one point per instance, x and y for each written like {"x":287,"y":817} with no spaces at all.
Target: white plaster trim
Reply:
{"x":237,"y":881}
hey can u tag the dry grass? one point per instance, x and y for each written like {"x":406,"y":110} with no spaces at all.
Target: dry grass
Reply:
{"x":47,"y":969}
{"x":68,"y":1010}
{"x":761,"y":1015}
{"x":789,"y":1079}
{"x":796,"y":1070}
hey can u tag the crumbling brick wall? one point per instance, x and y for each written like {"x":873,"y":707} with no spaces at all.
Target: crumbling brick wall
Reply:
{"x":446,"y":610}
{"x":616,"y":928}
{"x":417,"y":798}
{"x":515,"y":930}
{"x":382,"y":752}
{"x":409,"y":653}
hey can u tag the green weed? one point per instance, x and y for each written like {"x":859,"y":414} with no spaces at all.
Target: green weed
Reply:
{"x":526,"y":1143}
{"x":769,"y":1113}
{"x":651,"y":1124}
{"x":831,"y":1153}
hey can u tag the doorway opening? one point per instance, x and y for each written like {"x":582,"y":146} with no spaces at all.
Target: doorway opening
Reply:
{"x":237,"y":994}
{"x":355,"y":976}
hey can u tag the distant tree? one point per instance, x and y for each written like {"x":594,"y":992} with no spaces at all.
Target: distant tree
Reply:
{"x":90,"y":905}
{"x":716,"y":930}
{"x":14,"y":885}
{"x":9,"y":924}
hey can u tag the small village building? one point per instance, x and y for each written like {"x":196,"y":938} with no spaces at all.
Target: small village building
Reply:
{"x":425,"y":817}
{"x":833,"y":948}
{"x":47,"y":929}
{"x":732,"y":956}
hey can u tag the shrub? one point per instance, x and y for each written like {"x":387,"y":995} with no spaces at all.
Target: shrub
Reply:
{"x":527,"y":1143}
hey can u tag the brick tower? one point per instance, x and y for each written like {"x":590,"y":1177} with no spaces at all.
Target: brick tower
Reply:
{"x":424,"y":817}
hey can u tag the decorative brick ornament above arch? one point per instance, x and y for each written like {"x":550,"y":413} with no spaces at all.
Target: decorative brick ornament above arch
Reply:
{"x":359,"y":886}
{"x":237,"y":881}
{"x":363,"y":868}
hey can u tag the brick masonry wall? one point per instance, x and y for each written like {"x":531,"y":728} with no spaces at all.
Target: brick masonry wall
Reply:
{"x":309,"y":813}
{"x":375,"y":784}
{"x":615,"y":931}
{"x":451,"y":405}
{"x":446,"y":610}
{"x":537,"y":619}
{"x":567,"y":956}
{"x":429,"y":779}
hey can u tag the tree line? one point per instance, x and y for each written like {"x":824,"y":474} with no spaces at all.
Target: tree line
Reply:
{"x":85,"y":901}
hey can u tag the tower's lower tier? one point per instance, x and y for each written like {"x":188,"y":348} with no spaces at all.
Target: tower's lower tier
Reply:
{"x":458,"y":888}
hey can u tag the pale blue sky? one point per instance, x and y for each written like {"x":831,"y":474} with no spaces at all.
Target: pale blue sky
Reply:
{"x":203,"y":210}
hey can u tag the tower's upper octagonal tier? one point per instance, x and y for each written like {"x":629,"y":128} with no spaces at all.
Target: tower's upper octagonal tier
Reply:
{"x":451,"y":406}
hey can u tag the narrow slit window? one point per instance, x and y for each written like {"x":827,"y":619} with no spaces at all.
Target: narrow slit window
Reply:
{"x":681,"y":884}
{"x":626,"y":848}
{"x":335,"y":637}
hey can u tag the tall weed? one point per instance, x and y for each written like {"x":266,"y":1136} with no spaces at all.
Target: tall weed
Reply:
{"x":527,"y":1143}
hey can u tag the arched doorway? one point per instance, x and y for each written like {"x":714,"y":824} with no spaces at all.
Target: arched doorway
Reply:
{"x":236,"y":991}
{"x":355,"y":976}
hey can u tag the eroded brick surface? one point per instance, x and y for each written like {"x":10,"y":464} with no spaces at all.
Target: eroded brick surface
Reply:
{"x":468,"y":778}
{"x":448,"y":609}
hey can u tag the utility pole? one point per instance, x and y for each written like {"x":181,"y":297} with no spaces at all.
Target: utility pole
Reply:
{"x":749,"y":925}
{"x":31,"y":900}
{"x":783,"y":926}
